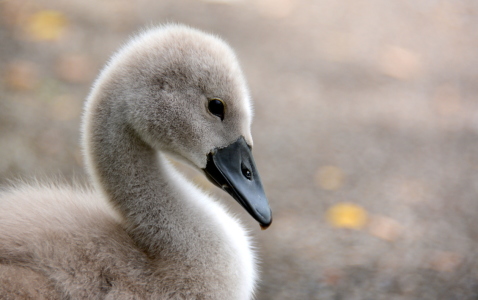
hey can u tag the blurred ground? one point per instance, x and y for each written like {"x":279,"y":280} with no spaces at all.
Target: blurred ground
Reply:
{"x":366,"y":128}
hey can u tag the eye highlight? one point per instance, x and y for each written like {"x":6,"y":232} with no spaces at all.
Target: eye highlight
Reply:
{"x":216,"y":107}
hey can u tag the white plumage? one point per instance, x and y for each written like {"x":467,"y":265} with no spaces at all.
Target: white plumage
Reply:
{"x":144,"y":231}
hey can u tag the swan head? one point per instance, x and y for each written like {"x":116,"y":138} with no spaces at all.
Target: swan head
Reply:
{"x":183,"y":93}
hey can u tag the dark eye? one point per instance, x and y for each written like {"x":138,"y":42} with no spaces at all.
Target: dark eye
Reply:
{"x":216,"y":107}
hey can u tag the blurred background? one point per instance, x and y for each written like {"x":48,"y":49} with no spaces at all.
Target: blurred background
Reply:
{"x":366,"y":128}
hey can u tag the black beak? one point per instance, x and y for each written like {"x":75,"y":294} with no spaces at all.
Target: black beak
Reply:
{"x":233,"y":169}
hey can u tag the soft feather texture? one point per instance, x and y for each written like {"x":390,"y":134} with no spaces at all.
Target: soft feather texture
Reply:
{"x":144,"y":231}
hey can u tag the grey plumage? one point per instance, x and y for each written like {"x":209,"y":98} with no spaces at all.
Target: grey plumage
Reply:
{"x":143,"y":231}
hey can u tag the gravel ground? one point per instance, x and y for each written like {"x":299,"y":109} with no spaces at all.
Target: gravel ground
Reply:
{"x":366,"y":128}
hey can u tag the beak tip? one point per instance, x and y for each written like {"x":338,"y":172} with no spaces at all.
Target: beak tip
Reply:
{"x":226,"y":167}
{"x":266,"y":224}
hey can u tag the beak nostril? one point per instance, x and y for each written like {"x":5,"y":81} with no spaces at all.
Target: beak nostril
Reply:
{"x":246,"y":172}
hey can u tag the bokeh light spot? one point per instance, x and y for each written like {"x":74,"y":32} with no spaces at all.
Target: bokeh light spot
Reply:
{"x":75,"y":68}
{"x":400,"y":63}
{"x":46,"y":25}
{"x":385,"y":228}
{"x":21,"y":75}
{"x":347,"y":215}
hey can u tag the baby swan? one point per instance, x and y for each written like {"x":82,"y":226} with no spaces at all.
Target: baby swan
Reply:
{"x":144,"y":231}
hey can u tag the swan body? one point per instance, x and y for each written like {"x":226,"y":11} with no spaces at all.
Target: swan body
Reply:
{"x":144,"y":231}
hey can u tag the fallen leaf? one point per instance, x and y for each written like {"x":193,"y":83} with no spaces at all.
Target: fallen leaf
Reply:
{"x":75,"y":68}
{"x":347,"y":215}
{"x":399,"y":63}
{"x":46,"y":25}
{"x":21,"y":75}
{"x":385,"y":228}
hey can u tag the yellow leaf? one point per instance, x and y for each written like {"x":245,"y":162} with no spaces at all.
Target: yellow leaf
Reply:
{"x":329,"y":178}
{"x":347,"y":215}
{"x":46,"y":25}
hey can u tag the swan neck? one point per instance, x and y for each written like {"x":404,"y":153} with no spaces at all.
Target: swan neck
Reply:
{"x":133,"y":177}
